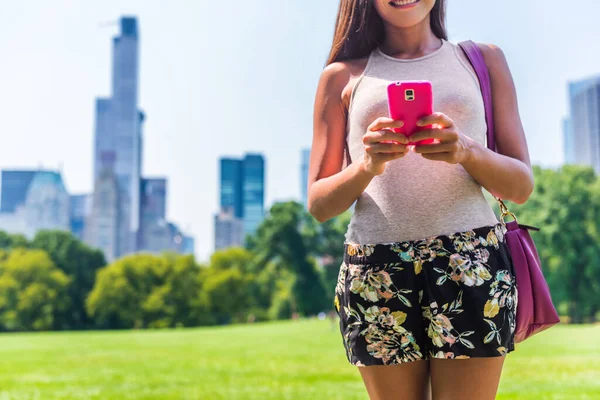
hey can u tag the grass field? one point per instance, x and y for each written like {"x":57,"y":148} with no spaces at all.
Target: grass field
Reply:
{"x":282,"y":360}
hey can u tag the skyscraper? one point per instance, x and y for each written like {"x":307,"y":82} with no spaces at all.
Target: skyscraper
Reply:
{"x":231,"y":186}
{"x":305,"y":162}
{"x":15,"y":184}
{"x":81,"y":207}
{"x":242,"y":196}
{"x":188,"y":245}
{"x":118,"y":132}
{"x":153,"y":232}
{"x":229,"y":230}
{"x":102,"y":228}
{"x":253,"y":192}
{"x":582,"y":129}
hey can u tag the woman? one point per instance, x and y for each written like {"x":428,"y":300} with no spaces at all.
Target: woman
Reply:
{"x":426,"y":294}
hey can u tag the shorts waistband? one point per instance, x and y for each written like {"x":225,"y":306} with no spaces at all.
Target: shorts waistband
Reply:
{"x":404,"y":251}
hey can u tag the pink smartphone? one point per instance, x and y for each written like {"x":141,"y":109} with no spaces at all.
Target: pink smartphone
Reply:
{"x":409,"y":101}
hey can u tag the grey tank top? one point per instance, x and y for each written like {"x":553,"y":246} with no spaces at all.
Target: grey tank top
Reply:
{"x":416,"y":198}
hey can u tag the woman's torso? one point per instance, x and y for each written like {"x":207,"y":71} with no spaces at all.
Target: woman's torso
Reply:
{"x":416,"y":198}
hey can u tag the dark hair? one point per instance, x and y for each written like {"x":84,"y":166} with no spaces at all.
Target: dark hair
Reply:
{"x":359,"y":29}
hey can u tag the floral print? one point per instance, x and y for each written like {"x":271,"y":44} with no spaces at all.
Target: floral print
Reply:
{"x":449,"y":297}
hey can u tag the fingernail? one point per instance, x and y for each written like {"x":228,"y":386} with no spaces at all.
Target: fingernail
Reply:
{"x":420,"y":122}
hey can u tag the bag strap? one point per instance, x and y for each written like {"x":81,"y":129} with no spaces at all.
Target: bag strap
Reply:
{"x":478,"y":62}
{"x":475,"y":56}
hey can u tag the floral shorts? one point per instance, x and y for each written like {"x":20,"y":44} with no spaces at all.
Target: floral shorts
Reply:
{"x":442,"y":297}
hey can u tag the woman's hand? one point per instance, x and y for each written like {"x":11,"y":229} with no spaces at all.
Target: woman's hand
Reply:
{"x":383,"y":145}
{"x":452,"y":146}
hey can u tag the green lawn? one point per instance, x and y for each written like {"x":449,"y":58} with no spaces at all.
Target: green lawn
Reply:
{"x":283,"y":360}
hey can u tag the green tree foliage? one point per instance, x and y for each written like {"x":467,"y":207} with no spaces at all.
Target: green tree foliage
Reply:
{"x":8,"y":241}
{"x":235,"y":286}
{"x":32,"y":290}
{"x":328,"y":245}
{"x":141,"y":291}
{"x":279,"y":241}
{"x":566,"y":206}
{"x":80,"y":263}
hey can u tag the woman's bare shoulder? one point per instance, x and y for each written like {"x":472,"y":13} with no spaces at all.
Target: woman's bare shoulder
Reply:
{"x":343,"y":75}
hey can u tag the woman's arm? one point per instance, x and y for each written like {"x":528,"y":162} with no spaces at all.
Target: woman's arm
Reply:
{"x":332,"y":190}
{"x":506,"y":174}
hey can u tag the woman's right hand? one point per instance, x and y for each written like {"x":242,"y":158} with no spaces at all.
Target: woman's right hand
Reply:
{"x":383,"y":145}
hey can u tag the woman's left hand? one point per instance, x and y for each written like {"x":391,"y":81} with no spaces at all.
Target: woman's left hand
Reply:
{"x":451,"y":146}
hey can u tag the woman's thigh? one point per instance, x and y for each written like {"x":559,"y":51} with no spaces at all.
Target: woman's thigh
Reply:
{"x":468,"y":379}
{"x":407,"y":381}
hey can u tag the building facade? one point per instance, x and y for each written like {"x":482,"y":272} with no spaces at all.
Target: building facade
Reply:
{"x":153,"y":233}
{"x":304,"y":164}
{"x":253,"y":192}
{"x":242,"y":200}
{"x":46,"y":205}
{"x":102,"y":228}
{"x":232,"y":196}
{"x":15,"y":184}
{"x":81,"y":207}
{"x":229,"y":230}
{"x":118,"y":132}
{"x":582,"y":129}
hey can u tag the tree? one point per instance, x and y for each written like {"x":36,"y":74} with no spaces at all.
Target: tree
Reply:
{"x":252,"y":296}
{"x":9,"y":241}
{"x":328,"y":245}
{"x":279,"y":240}
{"x":32,"y":290}
{"x":233,"y":257}
{"x":228,"y":294}
{"x":81,"y":264}
{"x":143,"y":290}
{"x":566,"y":206}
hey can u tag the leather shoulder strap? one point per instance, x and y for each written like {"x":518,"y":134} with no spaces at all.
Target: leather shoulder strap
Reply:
{"x":478,"y":62}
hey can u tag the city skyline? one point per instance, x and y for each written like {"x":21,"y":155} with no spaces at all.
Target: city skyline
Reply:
{"x":190,"y":85}
{"x":126,"y":212}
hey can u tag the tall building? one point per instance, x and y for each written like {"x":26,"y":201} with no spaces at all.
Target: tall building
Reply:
{"x":232,"y":195}
{"x":253,"y":192}
{"x":81,"y":207}
{"x":188,"y":245}
{"x":305,"y":162}
{"x":242,"y":196}
{"x":229,"y":230}
{"x":569,"y":146}
{"x":127,"y":212}
{"x":102,"y":227}
{"x":582,"y":131}
{"x":153,"y":234}
{"x":118,"y":132}
{"x":15,"y":184}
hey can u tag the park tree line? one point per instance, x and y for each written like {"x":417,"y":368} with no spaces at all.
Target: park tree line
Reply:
{"x":289,"y":267}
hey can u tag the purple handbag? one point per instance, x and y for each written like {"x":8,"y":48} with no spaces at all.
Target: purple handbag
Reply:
{"x":535,"y":310}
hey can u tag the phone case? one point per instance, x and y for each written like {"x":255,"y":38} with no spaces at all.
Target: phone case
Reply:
{"x":409,"y":101}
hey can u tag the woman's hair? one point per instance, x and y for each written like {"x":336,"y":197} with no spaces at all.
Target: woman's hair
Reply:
{"x":359,"y":29}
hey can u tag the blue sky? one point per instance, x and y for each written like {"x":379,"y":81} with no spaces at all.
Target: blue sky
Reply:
{"x":224,"y":78}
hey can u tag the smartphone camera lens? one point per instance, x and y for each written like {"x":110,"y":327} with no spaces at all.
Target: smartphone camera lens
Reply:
{"x":409,"y":94}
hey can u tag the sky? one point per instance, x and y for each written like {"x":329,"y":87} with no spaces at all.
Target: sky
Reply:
{"x":222,"y":78}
